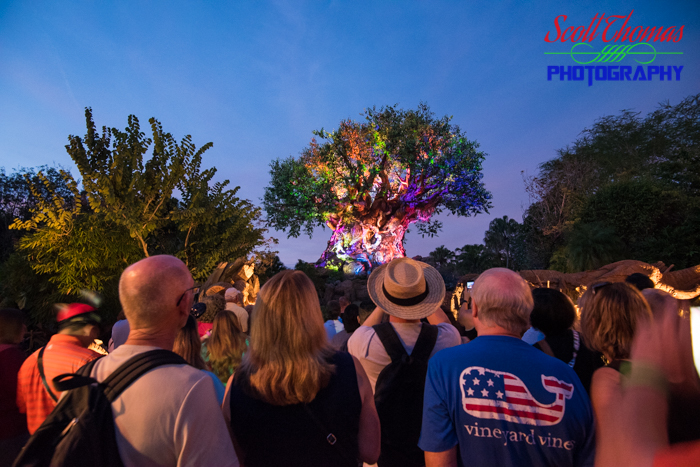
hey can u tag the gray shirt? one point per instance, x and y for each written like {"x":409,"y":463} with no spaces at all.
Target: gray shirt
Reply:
{"x":368,"y":349}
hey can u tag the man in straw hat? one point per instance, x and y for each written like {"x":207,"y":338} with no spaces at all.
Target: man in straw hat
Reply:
{"x":500,"y":400}
{"x":407,"y":291}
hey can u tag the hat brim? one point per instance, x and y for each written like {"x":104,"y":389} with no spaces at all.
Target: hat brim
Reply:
{"x":435,"y":297}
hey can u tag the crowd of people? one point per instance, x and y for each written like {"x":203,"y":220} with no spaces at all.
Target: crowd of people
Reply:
{"x":609,"y":381}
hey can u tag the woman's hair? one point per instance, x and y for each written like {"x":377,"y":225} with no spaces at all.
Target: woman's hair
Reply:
{"x":553,"y":312}
{"x":226,"y":345}
{"x":350,"y":316}
{"x":215,"y":304}
{"x":188,"y":346}
{"x":287,"y":362}
{"x":610,"y":317}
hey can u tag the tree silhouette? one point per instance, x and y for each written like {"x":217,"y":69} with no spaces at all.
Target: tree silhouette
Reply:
{"x":501,"y":238}
{"x":591,"y":246}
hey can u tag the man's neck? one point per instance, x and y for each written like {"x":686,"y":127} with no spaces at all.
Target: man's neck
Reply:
{"x":84,"y":340}
{"x":396,"y":319}
{"x":495,"y":331}
{"x":152,"y":338}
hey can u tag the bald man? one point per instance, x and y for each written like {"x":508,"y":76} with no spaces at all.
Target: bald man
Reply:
{"x":499,"y":399}
{"x":169,"y":416}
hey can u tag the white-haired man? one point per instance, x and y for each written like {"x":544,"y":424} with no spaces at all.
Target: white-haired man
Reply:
{"x":169,"y":416}
{"x":234,"y":300}
{"x":500,"y":400}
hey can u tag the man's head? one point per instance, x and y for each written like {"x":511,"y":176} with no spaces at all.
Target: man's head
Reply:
{"x":215,"y":304}
{"x":351,"y":318}
{"x":233,"y":295}
{"x":156,"y":293}
{"x":333,"y":308}
{"x":553,"y":313}
{"x":344,"y":302}
{"x":640,"y":281}
{"x":12,"y":328}
{"x":79,"y":320}
{"x":501,"y":298}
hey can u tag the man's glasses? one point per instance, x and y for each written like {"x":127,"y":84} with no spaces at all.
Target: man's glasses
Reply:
{"x":179,"y":300}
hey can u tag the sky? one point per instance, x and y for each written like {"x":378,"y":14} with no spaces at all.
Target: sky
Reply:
{"x":256,"y":78}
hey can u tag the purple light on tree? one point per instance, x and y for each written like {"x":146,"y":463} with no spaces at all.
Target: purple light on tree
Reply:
{"x":369,"y":181}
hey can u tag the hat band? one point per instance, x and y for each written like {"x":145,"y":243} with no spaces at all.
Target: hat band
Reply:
{"x":406,"y":301}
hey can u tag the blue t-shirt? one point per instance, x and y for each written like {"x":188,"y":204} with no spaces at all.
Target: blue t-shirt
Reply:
{"x":508,"y":404}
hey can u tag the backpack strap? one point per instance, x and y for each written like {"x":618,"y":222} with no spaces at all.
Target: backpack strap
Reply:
{"x":135,"y":367}
{"x":426,"y":342}
{"x":40,"y":365}
{"x":123,"y":376}
{"x":390,"y":340}
{"x":68,"y":381}
{"x":393,"y":346}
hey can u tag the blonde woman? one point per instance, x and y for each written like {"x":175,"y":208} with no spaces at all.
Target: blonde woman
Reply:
{"x":226,"y":345}
{"x":294,"y":401}
{"x":610,"y":316}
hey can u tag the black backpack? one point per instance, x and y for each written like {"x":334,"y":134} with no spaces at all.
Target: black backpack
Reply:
{"x":398,"y":396}
{"x":80,"y":430}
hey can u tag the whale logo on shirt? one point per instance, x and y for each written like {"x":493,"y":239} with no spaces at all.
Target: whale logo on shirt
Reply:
{"x":498,"y":395}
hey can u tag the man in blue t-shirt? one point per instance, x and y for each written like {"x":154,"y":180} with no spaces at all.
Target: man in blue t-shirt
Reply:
{"x":502,"y":401}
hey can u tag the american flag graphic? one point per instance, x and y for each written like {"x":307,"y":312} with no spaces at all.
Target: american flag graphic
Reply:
{"x":503,"y":396}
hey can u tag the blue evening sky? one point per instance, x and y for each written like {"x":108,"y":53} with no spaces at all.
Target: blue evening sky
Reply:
{"x":256,"y":78}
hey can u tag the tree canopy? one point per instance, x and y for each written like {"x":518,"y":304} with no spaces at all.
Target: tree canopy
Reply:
{"x":369,"y":181}
{"x":139,"y":196}
{"x":637,"y":175}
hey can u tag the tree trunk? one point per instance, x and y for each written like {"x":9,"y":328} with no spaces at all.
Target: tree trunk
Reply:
{"x":364,"y":245}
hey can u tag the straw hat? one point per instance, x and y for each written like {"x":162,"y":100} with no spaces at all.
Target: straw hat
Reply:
{"x":406,"y":288}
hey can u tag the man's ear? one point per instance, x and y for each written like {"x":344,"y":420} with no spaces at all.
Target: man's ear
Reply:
{"x":475,"y":309}
{"x":183,"y":313}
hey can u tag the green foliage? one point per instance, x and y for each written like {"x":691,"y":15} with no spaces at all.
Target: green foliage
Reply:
{"x":121,"y":183}
{"x":591,"y":246}
{"x":395,"y":168}
{"x":473,"y":259}
{"x":653,"y":221}
{"x":502,"y":239}
{"x":638,"y":174}
{"x":79,"y":240}
{"x":267,"y":264}
{"x":214,"y":224}
{"x":17,"y":201}
{"x":21,"y":287}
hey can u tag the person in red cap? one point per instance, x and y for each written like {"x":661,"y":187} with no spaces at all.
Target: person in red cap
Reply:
{"x":66,"y":352}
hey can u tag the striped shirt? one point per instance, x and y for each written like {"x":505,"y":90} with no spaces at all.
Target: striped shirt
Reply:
{"x":63,"y":354}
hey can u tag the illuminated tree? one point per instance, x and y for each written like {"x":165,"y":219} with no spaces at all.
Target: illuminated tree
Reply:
{"x":369,"y":181}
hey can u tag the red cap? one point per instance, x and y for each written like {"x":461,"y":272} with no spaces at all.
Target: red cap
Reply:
{"x":72,"y":310}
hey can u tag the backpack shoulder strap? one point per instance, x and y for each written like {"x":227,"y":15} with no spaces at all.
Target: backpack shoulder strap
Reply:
{"x":390,"y":340}
{"x":426,"y":342}
{"x":136,"y":366}
{"x":68,"y":381}
{"x":40,"y":365}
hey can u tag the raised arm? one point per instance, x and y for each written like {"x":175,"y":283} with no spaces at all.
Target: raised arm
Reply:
{"x":438,"y":317}
{"x":375,"y":318}
{"x":369,"y":437}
